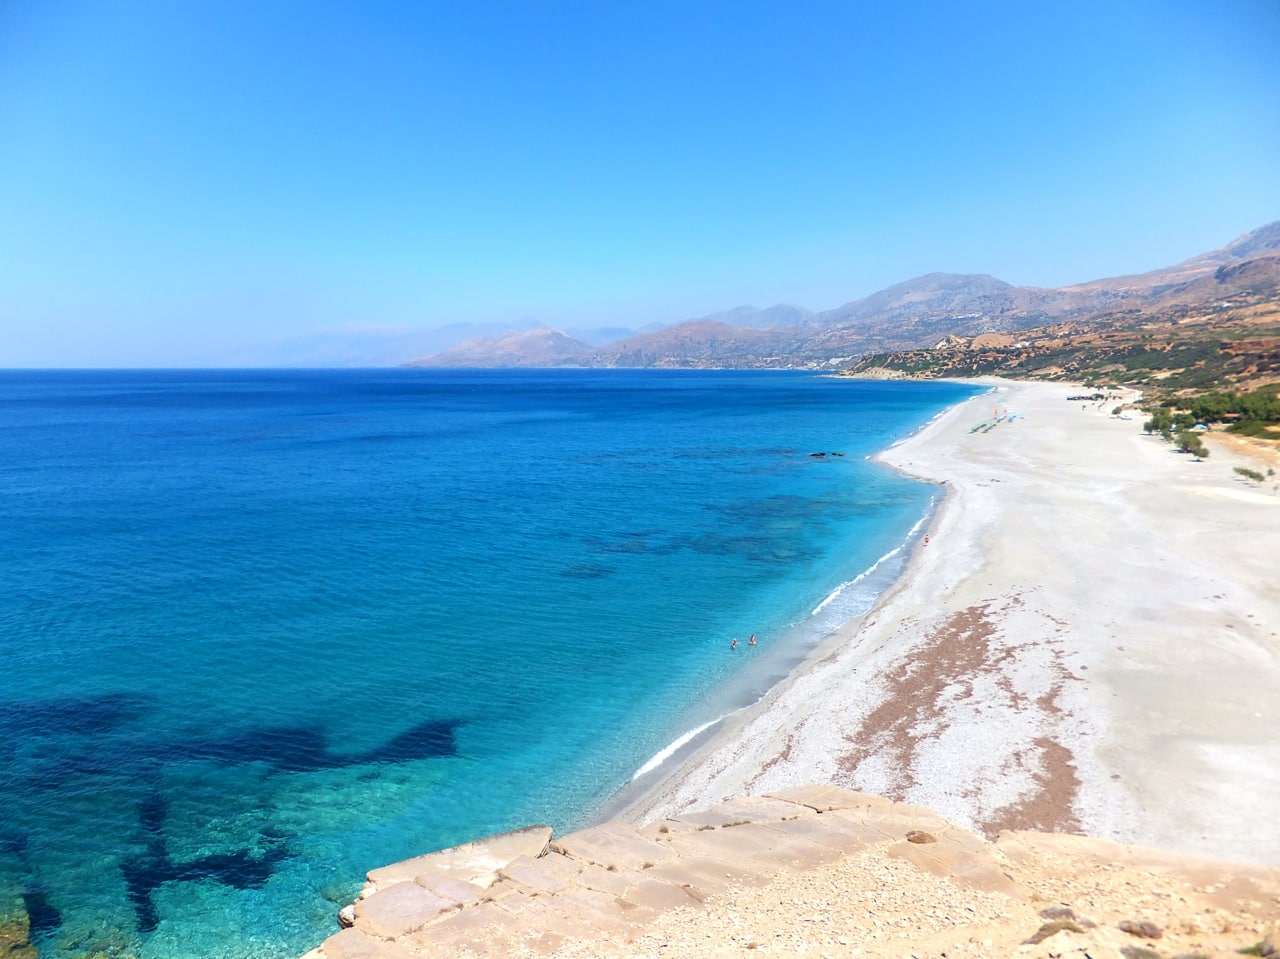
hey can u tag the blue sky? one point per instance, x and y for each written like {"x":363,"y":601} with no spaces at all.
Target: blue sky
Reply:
{"x":180,"y":180}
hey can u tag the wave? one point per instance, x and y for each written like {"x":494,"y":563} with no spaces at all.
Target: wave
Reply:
{"x":664,"y":754}
{"x":670,"y":750}
{"x":835,"y":593}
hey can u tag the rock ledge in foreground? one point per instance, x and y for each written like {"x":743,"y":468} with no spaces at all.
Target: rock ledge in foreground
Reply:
{"x":756,"y":874}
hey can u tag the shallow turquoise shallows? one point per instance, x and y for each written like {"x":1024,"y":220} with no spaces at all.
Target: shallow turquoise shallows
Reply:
{"x":264,"y":631}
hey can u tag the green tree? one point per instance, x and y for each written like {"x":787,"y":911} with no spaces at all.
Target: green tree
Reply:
{"x":1161,"y":422}
{"x":1212,"y":407}
{"x":1262,"y":405}
{"x":1189,"y":442}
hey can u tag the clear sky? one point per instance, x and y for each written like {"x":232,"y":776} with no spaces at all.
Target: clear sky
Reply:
{"x":179,"y":178}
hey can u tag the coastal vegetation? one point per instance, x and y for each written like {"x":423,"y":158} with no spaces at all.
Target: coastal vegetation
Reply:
{"x":1189,"y":442}
{"x":1226,"y":350}
{"x":1253,"y":414}
{"x":1252,"y":475}
{"x":1166,"y":422}
{"x":1213,"y":366}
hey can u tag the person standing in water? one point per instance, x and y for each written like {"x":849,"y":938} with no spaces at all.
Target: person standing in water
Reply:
{"x":734,"y":644}
{"x":752,"y":640}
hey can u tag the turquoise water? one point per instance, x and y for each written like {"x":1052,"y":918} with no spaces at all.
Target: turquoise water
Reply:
{"x":264,"y":631}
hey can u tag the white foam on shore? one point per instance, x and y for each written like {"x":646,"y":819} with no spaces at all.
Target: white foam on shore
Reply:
{"x":667,"y":752}
{"x":858,"y":603}
{"x":843,"y":587}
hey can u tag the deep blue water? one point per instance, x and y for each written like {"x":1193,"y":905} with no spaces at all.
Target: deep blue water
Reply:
{"x":264,"y":631}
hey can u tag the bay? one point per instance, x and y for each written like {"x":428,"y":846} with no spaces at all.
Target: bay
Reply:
{"x":266,"y":630}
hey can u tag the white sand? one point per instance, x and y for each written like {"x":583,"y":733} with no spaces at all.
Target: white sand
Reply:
{"x":1089,"y":642}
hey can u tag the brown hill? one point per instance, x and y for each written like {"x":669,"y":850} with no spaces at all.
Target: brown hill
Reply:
{"x":699,"y":344}
{"x":542,"y":347}
{"x":912,"y":315}
{"x":1261,"y":242}
{"x":1230,"y":340}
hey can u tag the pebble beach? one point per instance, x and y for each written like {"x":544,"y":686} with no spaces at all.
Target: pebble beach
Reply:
{"x":1087,"y":642}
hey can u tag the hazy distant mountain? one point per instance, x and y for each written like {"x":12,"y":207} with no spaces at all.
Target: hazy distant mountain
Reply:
{"x":542,"y":347}
{"x":613,"y":342}
{"x":356,"y":346}
{"x":697,"y":344}
{"x":915,"y":314}
{"x":748,"y":317}
{"x":599,"y":335}
{"x":372,"y":346}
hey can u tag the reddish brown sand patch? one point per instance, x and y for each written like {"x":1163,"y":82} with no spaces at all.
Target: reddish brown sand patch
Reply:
{"x":956,"y":651}
{"x":1050,"y":808}
{"x":943,"y":671}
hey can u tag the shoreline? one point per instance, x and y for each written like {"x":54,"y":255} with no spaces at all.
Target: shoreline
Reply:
{"x":1084,"y":645}
{"x":639,"y":802}
{"x":630,"y":800}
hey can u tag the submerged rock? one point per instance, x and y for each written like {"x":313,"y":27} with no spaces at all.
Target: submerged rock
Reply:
{"x":15,"y":938}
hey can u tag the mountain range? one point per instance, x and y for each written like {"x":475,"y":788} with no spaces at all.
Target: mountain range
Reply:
{"x":912,"y":315}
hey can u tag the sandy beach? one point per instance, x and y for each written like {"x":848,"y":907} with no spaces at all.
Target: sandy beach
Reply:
{"x":1088,"y":642}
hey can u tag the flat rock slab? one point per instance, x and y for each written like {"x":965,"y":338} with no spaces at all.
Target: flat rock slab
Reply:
{"x":520,"y":890}
{"x":743,"y":809}
{"x":473,"y":862}
{"x":961,"y":857}
{"x":835,"y":832}
{"x":354,"y":944}
{"x":757,"y":843}
{"x":613,"y":844}
{"x":706,"y":876}
{"x":610,"y":878}
{"x":399,"y":910}
{"x":550,"y":873}
{"x":614,"y":881}
{"x":454,"y":890}
{"x":474,"y":928}
{"x":826,"y":798}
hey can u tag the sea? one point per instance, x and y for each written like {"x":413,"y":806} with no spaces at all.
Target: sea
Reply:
{"x":263,"y":631}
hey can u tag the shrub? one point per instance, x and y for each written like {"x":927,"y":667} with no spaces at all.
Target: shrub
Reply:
{"x":1189,"y":442}
{"x":1161,"y":422}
